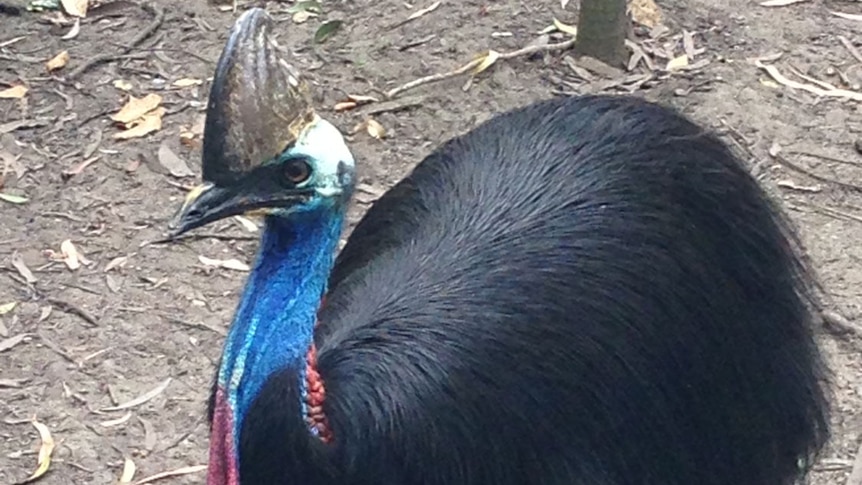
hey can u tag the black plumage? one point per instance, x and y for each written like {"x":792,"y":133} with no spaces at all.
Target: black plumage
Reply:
{"x":587,"y":290}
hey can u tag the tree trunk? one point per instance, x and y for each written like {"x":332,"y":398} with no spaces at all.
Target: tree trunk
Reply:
{"x":602,"y":28}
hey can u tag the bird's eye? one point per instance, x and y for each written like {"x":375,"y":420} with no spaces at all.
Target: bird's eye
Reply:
{"x":297,"y":171}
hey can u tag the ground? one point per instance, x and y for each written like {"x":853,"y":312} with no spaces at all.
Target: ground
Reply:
{"x":113,"y":330}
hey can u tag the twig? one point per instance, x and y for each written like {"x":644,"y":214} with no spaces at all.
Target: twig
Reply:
{"x":65,"y":306}
{"x":784,"y":161}
{"x":825,"y":157}
{"x":850,"y":48}
{"x":526,"y":51}
{"x":158,"y":17}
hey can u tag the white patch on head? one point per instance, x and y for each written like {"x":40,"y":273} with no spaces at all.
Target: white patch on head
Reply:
{"x":325,"y":147}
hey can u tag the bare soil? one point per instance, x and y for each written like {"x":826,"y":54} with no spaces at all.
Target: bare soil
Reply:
{"x":98,"y":336}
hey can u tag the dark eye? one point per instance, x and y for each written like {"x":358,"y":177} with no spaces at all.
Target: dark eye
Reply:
{"x":297,"y":171}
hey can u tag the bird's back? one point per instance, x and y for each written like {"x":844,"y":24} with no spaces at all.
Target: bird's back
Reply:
{"x":583,"y":291}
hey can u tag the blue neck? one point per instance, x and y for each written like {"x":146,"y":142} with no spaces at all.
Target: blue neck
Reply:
{"x":274,"y":324}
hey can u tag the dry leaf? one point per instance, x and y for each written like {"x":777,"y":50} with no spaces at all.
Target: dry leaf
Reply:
{"x":360,"y":99}
{"x":13,"y":199}
{"x":136,"y":108}
{"x":186,"y":470}
{"x":13,"y":383}
{"x":245,"y":222}
{"x":70,"y":255}
{"x":780,"y":3}
{"x":45,"y":451}
{"x":303,"y":16}
{"x":187,"y":82}
{"x":21,"y":267}
{"x":784,"y":81}
{"x":415,"y":15}
{"x":44,"y":313}
{"x":645,"y":12}
{"x":487,"y":61}
{"x":8,"y":307}
{"x":175,"y":165}
{"x":116,"y":422}
{"x":142,"y":398}
{"x":57,"y":62}
{"x":117,"y":262}
{"x":75,"y":8}
{"x":74,"y":31}
{"x":677,"y":63}
{"x":15,"y":92}
{"x":233,"y":264}
{"x":848,"y":16}
{"x":128,"y":471}
{"x":122,"y":85}
{"x":375,"y":129}
{"x":565,"y":28}
{"x":148,"y":124}
{"x":10,"y":342}
{"x":345,"y":105}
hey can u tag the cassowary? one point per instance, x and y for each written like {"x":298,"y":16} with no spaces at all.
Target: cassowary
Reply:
{"x":582,"y":291}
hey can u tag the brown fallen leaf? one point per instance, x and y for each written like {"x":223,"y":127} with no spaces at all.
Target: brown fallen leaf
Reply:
{"x":345,"y":105}
{"x":17,"y":91}
{"x":150,"y":123}
{"x":645,"y":12}
{"x":75,"y":8}
{"x":186,"y":470}
{"x":374,"y":128}
{"x":175,"y":165}
{"x":142,"y":398}
{"x":57,"y":62}
{"x":136,"y":108}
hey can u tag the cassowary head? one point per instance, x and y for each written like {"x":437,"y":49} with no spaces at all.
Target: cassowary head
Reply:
{"x":265,"y":150}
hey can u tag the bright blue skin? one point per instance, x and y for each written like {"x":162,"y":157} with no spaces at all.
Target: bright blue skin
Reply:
{"x":274,"y":324}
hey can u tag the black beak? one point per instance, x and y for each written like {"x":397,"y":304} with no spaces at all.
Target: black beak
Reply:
{"x":208,"y":203}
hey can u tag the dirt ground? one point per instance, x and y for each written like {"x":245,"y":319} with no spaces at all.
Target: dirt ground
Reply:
{"x":113,"y":330}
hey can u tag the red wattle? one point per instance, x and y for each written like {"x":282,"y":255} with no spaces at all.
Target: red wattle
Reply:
{"x":223,"y":468}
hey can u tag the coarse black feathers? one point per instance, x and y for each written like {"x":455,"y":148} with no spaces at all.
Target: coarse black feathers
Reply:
{"x":584,"y":291}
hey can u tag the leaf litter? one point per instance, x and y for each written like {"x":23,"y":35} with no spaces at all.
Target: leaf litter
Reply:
{"x":139,"y":116}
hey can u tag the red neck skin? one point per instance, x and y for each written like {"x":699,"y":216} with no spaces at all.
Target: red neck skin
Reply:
{"x":223,"y":468}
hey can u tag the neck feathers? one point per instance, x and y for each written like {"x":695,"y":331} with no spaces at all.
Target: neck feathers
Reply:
{"x":273,"y":329}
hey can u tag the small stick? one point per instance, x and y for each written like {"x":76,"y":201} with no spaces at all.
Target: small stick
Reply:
{"x":67,"y":307}
{"x":526,"y":51}
{"x":784,"y":161}
{"x":159,"y":16}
